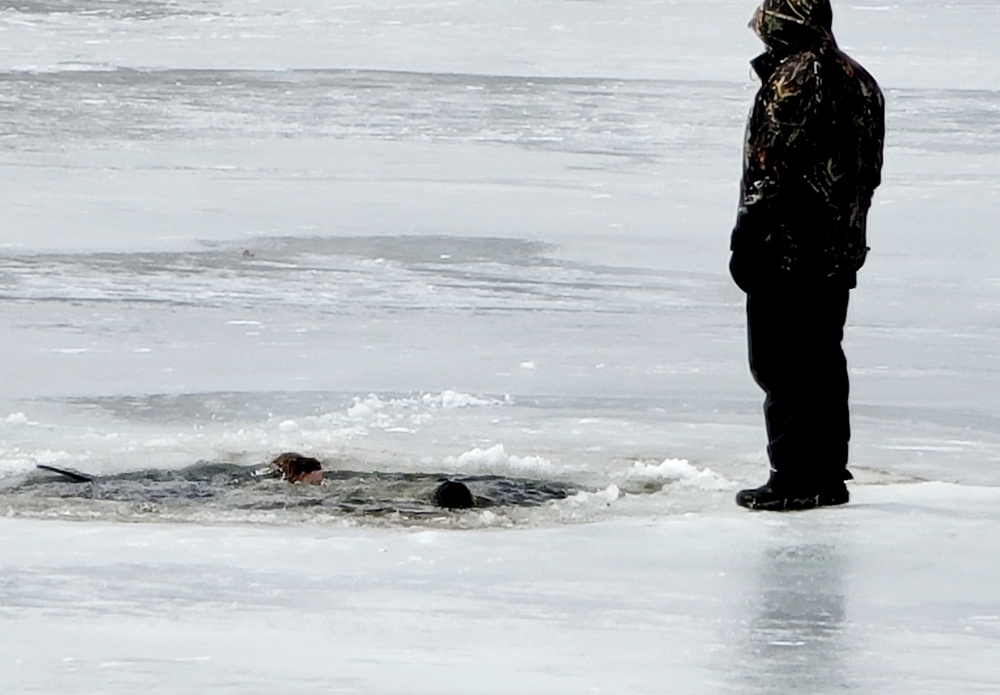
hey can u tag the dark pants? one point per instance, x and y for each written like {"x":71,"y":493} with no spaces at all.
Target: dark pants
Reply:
{"x":795,"y":356}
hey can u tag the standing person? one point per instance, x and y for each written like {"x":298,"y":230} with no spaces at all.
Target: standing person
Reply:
{"x":813,"y":158}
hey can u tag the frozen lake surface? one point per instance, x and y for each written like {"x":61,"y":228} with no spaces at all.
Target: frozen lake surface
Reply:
{"x":477,"y":238}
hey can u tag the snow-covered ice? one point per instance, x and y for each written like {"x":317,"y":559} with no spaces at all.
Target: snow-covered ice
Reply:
{"x":478,"y":237}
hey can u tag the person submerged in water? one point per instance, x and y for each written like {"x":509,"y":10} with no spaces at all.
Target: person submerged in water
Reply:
{"x":291,"y":467}
{"x":296,"y":468}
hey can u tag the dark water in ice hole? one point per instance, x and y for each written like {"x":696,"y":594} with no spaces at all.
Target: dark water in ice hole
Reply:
{"x":227,"y":488}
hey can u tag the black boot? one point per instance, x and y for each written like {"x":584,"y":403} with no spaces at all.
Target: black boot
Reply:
{"x":774,"y":497}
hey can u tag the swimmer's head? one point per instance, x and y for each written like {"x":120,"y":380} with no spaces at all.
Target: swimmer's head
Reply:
{"x":452,"y":494}
{"x":296,"y":468}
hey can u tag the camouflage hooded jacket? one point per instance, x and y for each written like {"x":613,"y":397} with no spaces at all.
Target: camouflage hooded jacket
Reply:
{"x":813,"y":154}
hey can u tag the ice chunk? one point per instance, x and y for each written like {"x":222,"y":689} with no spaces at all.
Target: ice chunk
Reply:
{"x":677,"y":471}
{"x":496,"y":457}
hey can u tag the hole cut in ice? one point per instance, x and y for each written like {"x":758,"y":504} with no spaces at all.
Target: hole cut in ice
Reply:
{"x":232,"y":492}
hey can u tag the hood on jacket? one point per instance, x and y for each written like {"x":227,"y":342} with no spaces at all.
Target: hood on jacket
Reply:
{"x":793,"y":24}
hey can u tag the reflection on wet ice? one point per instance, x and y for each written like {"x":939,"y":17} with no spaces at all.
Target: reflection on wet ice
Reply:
{"x":795,"y":628}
